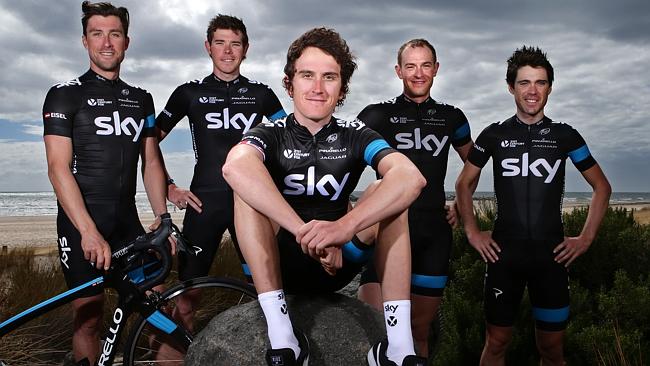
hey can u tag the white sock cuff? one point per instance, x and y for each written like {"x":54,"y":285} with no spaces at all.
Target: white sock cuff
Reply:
{"x":273,"y":295}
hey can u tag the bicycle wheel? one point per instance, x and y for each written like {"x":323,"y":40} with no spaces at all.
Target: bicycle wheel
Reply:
{"x":217,"y":294}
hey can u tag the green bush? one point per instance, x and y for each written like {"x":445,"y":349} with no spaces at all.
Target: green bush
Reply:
{"x":610,"y":298}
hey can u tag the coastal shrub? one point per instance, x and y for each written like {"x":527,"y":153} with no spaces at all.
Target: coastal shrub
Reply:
{"x":610,"y":298}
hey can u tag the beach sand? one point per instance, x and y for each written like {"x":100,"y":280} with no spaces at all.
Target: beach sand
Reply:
{"x":39,"y":232}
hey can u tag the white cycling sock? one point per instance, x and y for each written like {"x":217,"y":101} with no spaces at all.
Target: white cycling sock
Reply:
{"x":278,"y":323}
{"x":398,"y":329}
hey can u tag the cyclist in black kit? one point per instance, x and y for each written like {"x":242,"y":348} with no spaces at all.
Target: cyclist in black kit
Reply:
{"x":528,"y":247}
{"x":220,"y":108}
{"x":95,"y":129}
{"x":296,"y":176}
{"x":423,"y":130}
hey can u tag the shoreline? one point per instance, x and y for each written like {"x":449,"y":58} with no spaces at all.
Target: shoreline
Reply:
{"x":39,"y":232}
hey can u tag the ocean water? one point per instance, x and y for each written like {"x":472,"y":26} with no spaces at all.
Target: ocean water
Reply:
{"x":44,"y":203}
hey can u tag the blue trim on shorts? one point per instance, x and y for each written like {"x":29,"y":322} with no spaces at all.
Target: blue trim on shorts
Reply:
{"x":462,"y":131}
{"x":579,"y":154}
{"x":150,"y":121}
{"x":428,"y":281}
{"x":551,"y":315}
{"x":373,"y":148}
{"x":246,"y":270}
{"x":354,"y":254}
{"x":158,"y":320}
{"x":277,"y":115}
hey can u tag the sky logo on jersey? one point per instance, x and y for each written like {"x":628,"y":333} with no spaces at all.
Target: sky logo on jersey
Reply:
{"x":295,"y":186}
{"x":117,"y":126}
{"x":407,"y":140}
{"x":512,"y":169}
{"x":223,"y":120}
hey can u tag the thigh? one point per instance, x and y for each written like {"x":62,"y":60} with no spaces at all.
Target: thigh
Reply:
{"x":204,"y":231}
{"x":504,"y":286}
{"x":431,"y":241}
{"x":549,"y":290}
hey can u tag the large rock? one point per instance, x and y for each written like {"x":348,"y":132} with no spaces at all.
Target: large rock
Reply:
{"x":340,"y":330}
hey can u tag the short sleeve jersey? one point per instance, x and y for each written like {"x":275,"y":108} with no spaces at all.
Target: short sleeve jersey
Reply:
{"x":529,"y":171}
{"x":219,"y":112}
{"x":423,"y":132}
{"x":107,"y":121}
{"x":317,"y":173}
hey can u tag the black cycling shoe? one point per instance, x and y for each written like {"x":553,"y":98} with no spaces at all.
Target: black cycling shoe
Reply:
{"x":286,"y":356}
{"x":377,"y":357}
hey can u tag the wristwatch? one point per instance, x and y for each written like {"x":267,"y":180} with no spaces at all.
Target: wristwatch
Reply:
{"x":170,"y":181}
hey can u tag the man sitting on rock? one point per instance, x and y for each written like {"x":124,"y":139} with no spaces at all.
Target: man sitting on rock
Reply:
{"x":292,"y":180}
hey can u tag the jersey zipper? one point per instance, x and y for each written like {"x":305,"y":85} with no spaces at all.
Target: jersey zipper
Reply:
{"x":528,"y":198}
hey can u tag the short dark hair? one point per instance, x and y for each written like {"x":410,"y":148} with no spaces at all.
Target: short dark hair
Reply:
{"x":227,"y":22}
{"x":330,"y":42}
{"x":104,"y":9}
{"x":528,"y":56}
{"x":417,"y":42}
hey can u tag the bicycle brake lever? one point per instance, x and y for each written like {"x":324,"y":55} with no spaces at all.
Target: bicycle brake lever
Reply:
{"x":182,"y":244}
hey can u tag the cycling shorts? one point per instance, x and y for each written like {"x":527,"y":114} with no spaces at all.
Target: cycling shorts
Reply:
{"x":118,"y":224}
{"x":204,"y":231}
{"x":431,"y":240}
{"x":527,"y":263}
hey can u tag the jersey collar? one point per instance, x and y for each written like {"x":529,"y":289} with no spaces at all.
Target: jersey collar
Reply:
{"x":214,"y":78}
{"x":90,"y":75}
{"x":406,"y":99}
{"x":302,"y":131}
{"x":545,"y":120}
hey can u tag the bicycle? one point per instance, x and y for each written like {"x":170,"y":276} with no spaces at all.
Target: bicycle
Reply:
{"x":135,"y":269}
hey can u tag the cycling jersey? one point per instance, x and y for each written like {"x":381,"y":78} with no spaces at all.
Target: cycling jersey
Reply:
{"x":423,"y":132}
{"x":219,"y":113}
{"x":107,"y":121}
{"x":528,"y":165}
{"x":317,"y":173}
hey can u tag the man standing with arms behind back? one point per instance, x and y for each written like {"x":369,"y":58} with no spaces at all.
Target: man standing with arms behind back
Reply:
{"x":221,"y":107}
{"x":422,"y":129}
{"x":528,"y":247}
{"x":96,"y":127}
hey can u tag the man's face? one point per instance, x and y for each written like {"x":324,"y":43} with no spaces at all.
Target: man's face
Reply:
{"x":227,"y":51}
{"x":106,"y":44}
{"x":417,"y":70}
{"x":531,"y":90}
{"x":316,"y":86}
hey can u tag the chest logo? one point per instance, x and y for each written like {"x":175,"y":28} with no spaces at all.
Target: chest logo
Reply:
{"x":415,"y":140}
{"x":117,"y":126}
{"x":512,"y":168}
{"x":225,"y":121}
{"x":296,"y":184}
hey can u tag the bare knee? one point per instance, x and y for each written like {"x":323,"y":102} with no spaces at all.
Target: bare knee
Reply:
{"x":550,"y":347}
{"x":87,"y":314}
{"x":497,"y":342}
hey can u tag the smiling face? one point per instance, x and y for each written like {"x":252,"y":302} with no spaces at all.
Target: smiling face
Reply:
{"x":106,"y":45}
{"x":531,"y":90}
{"x":227,"y":51}
{"x":417,"y":70}
{"x":315,"y":88}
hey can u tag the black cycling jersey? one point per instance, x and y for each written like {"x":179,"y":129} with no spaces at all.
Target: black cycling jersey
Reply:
{"x":317,"y":173}
{"x":107,"y":121}
{"x":423,"y":132}
{"x":219,"y":113}
{"x":529,"y":164}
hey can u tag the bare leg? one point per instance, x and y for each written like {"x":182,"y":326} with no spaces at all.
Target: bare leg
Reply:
{"x":550,"y":347}
{"x":87,"y":320}
{"x":496,"y":343}
{"x":424,"y":310}
{"x":370,"y":293}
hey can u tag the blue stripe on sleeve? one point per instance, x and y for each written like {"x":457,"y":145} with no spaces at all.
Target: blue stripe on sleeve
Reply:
{"x":579,"y":154}
{"x":551,"y":315}
{"x":161,"y":322}
{"x":373,"y":148}
{"x":277,"y":115}
{"x":429,"y":281}
{"x":150,"y":121}
{"x":352,"y":253}
{"x":246,"y":270}
{"x":462,"y":131}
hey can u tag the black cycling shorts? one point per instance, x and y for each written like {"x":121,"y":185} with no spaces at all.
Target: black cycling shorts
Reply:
{"x":118,"y":224}
{"x":527,"y":263}
{"x":431,"y":240}
{"x":204,"y":231}
{"x":301,"y":274}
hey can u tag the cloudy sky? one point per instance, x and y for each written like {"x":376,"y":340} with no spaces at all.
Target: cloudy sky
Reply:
{"x":600,"y":50}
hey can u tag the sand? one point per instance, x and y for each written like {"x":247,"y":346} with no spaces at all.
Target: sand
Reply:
{"x":39,"y":232}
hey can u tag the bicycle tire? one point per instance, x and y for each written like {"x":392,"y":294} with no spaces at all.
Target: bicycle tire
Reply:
{"x":217,"y":295}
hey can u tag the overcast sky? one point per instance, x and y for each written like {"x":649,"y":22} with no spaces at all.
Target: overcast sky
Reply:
{"x":600,"y":50}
